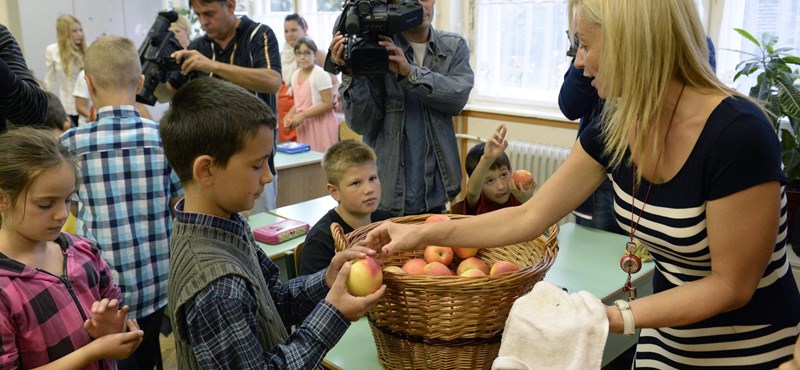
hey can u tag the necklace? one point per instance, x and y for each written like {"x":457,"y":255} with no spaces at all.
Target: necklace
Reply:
{"x":630,"y":263}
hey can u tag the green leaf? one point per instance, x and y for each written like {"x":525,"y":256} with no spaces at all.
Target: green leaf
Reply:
{"x":792,"y":60}
{"x":789,"y":99}
{"x":748,"y":36}
{"x":768,"y":41}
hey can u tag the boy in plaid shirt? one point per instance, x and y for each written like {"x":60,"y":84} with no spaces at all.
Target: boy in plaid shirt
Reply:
{"x":227,"y":306}
{"x":127,"y":189}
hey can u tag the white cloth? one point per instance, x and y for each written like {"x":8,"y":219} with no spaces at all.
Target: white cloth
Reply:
{"x":288,"y":64}
{"x":56,"y":80}
{"x":551,"y":329}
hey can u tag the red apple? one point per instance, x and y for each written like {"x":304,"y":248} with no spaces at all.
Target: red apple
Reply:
{"x":473,"y":272}
{"x":365,"y":277}
{"x":438,"y":254}
{"x":437,"y":269}
{"x":465,"y":252}
{"x":522,"y":178}
{"x":436,"y":218}
{"x":415,"y":266}
{"x":472,"y":263}
{"x":500,"y":267}
{"x":394,"y":270}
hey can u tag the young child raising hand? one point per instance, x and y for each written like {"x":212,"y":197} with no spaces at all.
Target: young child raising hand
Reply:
{"x":59,"y":308}
{"x":490,"y":186}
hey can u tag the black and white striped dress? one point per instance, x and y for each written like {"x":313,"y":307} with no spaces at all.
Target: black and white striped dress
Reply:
{"x":737,"y":149}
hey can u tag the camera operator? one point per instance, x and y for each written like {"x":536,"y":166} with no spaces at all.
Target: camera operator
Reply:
{"x":406,"y":115}
{"x":237,"y":50}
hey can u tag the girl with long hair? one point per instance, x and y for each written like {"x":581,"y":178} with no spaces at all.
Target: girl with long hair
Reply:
{"x":64,"y":60}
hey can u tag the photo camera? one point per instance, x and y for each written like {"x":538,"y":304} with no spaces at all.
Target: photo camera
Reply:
{"x":361,"y":22}
{"x":155,"y":55}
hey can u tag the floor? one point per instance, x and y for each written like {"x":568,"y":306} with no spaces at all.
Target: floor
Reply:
{"x":168,"y":352}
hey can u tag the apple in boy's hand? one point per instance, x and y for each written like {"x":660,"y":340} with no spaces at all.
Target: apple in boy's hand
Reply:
{"x":500,"y":267}
{"x":394,"y":270}
{"x":415,"y":266}
{"x":465,"y":252}
{"x":435,"y":253}
{"x":365,"y":277}
{"x":436,"y":218}
{"x":472,"y":263}
{"x":522,"y":178}
{"x":437,"y":269}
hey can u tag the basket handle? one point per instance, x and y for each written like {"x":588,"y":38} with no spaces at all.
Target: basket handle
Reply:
{"x":339,"y":239}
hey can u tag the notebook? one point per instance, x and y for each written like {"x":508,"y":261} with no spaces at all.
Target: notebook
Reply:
{"x":292,"y":147}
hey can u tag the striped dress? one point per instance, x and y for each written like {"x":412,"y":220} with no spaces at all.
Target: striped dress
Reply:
{"x":737,"y":149}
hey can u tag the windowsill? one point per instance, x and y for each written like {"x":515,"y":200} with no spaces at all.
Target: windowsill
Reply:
{"x":541,"y":112}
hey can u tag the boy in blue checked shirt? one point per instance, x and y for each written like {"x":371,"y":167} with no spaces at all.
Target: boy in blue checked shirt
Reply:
{"x":227,"y":306}
{"x":127,"y":189}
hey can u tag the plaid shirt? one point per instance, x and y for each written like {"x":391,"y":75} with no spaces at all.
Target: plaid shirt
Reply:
{"x":221,"y":320}
{"x":42,"y":315}
{"x":125,"y":188}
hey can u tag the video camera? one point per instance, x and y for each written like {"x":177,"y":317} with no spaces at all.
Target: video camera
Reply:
{"x":154,"y":54}
{"x":361,"y":22}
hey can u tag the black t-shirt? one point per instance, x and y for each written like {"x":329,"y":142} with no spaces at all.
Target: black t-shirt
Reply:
{"x":318,"y":249}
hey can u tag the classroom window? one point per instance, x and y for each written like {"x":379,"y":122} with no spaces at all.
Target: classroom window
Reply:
{"x":777,"y":17}
{"x":320,"y":15}
{"x":520,"y":50}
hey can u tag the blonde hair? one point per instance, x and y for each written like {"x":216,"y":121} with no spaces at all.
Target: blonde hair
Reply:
{"x":646,"y":44}
{"x":71,"y":55}
{"x":113,"y":62}
{"x":343,"y":155}
{"x":184,"y":24}
{"x":27,"y":152}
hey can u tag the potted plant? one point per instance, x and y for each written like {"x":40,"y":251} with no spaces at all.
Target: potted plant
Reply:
{"x":776,"y":88}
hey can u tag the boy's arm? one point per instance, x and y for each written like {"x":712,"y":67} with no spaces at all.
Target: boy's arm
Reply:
{"x":221,"y":326}
{"x":475,"y":181}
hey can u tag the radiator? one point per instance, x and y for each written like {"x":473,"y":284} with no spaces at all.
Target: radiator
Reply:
{"x":540,"y":159}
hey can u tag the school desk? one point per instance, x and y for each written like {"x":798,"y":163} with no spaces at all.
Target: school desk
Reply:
{"x":300,"y":177}
{"x":309,"y":211}
{"x":587,"y":259}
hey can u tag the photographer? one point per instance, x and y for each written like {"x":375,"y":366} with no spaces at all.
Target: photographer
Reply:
{"x":237,"y":50}
{"x":406,"y":114}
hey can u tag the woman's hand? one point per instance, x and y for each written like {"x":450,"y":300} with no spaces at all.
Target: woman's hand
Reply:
{"x":392,"y":238}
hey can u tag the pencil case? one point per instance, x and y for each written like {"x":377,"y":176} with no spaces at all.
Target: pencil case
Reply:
{"x":281,"y":231}
{"x":292,"y":147}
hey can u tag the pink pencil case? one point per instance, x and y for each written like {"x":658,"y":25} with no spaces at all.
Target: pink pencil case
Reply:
{"x":281,"y":231}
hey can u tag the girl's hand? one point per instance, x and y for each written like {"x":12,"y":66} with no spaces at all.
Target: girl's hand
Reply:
{"x":295,"y":120}
{"x":116,"y":346}
{"x":106,"y":318}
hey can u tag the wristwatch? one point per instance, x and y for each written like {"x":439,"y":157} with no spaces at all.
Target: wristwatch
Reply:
{"x":628,"y":325}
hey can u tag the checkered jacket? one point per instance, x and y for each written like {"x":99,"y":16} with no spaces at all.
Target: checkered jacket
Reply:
{"x":126,"y":186}
{"x":42,"y":315}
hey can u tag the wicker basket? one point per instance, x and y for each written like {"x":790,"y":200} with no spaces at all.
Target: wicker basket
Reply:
{"x":450,"y":322}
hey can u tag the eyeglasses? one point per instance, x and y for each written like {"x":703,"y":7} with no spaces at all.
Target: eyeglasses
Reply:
{"x":307,"y":53}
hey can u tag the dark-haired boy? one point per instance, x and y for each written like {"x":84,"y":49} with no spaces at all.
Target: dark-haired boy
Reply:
{"x":227,"y":306}
{"x":490,"y":186}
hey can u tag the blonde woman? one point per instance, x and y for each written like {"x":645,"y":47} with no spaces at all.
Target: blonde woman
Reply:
{"x":64,"y":60}
{"x":696,"y":171}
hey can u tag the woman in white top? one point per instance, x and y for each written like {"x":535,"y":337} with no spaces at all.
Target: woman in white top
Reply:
{"x":64,"y":60}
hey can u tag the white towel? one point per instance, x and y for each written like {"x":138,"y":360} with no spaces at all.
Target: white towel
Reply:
{"x":551,"y":329}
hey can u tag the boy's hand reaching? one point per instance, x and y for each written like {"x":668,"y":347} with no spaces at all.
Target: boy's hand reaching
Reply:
{"x":106,"y":318}
{"x":352,"y":307}
{"x":496,"y":144}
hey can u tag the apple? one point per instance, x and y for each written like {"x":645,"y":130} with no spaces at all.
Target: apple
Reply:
{"x":436,"y":218}
{"x":465,"y":252}
{"x":522,"y":178}
{"x":365,"y":277}
{"x":415,"y":266}
{"x":500,"y":267}
{"x":437,"y":269}
{"x":472,"y":263}
{"x":394,"y":270}
{"x":473,"y":272}
{"x":438,"y":254}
